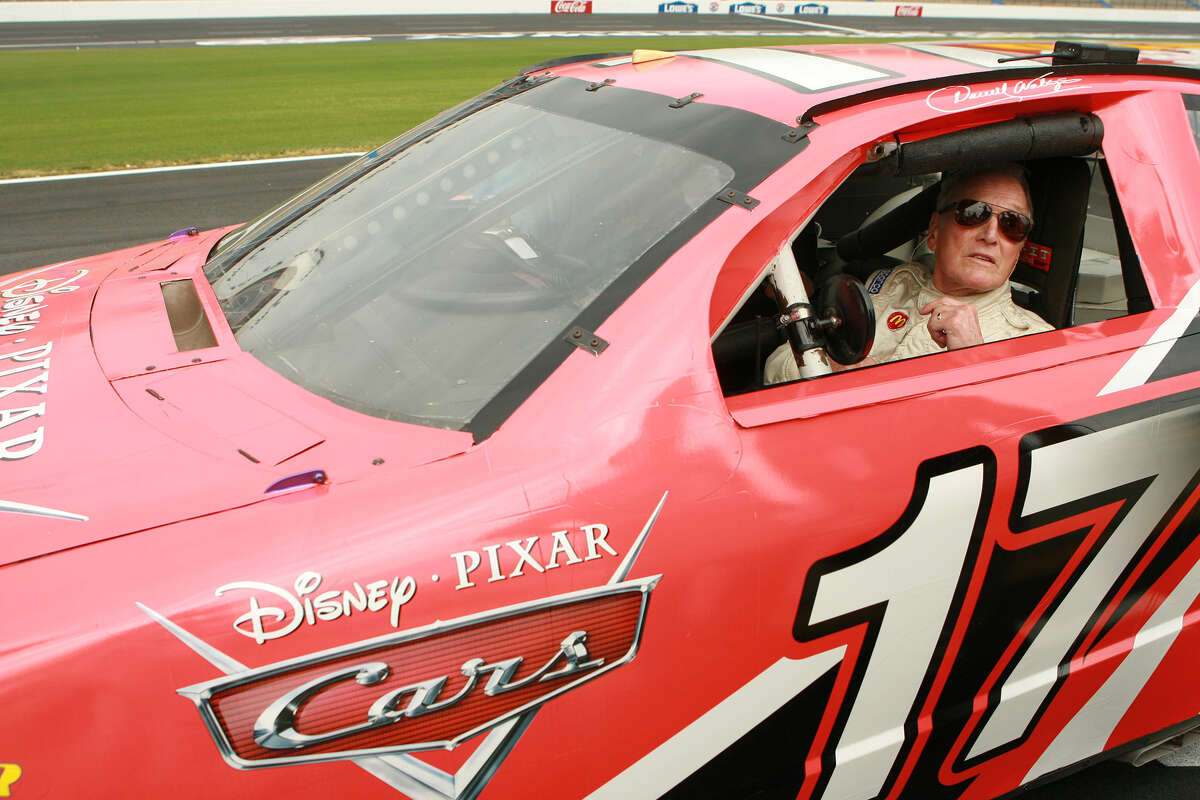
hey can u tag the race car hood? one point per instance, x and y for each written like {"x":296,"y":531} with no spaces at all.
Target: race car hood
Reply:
{"x":109,"y":426}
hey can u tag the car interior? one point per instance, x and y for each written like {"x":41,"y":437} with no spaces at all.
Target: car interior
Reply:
{"x":1077,"y":267}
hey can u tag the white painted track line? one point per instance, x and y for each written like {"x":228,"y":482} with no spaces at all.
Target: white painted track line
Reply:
{"x":179,"y":168}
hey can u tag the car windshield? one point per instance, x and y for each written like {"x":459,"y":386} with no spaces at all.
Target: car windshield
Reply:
{"x":420,"y":289}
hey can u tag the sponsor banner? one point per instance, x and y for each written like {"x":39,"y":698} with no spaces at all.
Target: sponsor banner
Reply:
{"x":570,"y":6}
{"x":812,"y":8}
{"x":97,"y":10}
{"x":748,"y":8}
{"x":909,"y":11}
{"x":1037,"y":256}
{"x":678,"y":8}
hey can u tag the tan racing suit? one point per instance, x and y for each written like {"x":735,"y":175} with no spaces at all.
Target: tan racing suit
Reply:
{"x":901,"y":330}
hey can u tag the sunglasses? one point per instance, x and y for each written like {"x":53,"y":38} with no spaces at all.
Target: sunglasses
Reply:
{"x":1014,"y":225}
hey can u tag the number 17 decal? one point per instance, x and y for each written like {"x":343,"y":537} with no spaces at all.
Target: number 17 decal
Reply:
{"x":903,"y":585}
{"x":1108,"y":490}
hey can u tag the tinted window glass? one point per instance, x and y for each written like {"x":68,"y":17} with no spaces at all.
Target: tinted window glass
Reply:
{"x":419,"y":290}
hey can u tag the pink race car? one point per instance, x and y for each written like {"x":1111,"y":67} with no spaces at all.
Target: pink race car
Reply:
{"x":458,"y":475}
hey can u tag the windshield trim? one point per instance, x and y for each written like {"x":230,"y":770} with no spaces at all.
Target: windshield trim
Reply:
{"x":751,"y":146}
{"x":760,"y":147}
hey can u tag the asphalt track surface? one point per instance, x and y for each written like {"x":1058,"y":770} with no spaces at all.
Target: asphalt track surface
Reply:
{"x":48,"y":221}
{"x":45,"y":222}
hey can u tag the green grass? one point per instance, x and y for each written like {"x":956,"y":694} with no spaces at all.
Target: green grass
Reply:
{"x":83,"y":110}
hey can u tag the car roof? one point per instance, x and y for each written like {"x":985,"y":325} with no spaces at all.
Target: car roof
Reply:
{"x":790,"y":82}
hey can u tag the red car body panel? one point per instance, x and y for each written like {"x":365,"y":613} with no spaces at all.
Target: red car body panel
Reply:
{"x":940,"y":577}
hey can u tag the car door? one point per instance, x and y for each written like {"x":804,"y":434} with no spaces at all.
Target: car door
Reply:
{"x":994,"y":549}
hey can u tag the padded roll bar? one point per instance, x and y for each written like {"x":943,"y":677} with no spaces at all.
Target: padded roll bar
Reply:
{"x":1021,"y":139}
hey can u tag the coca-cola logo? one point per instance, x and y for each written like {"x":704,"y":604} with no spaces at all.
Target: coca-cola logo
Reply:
{"x":570,"y":6}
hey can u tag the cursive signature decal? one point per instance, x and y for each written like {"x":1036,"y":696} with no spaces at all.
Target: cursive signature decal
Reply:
{"x":949,"y":99}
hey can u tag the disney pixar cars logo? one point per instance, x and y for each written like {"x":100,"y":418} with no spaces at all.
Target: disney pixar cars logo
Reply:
{"x":379,"y":702}
{"x":430,"y":688}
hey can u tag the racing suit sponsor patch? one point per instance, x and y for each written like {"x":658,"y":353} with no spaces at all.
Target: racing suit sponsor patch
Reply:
{"x":877,"y":282}
{"x":1037,"y":256}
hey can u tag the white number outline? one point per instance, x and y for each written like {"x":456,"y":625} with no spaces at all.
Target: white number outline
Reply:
{"x":1149,"y":503}
{"x":977,"y":467}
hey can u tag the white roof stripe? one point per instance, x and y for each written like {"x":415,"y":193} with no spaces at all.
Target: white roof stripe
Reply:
{"x":972,"y":55}
{"x":806,"y":71}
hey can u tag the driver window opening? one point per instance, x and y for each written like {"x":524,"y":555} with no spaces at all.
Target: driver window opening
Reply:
{"x":1077,"y":267}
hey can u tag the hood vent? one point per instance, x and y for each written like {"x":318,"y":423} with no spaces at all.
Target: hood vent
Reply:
{"x":189,"y":323}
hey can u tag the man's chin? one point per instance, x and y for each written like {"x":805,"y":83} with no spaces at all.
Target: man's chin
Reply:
{"x":976,"y":279}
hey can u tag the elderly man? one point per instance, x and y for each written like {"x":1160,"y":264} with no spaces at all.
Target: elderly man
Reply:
{"x":978,"y":227}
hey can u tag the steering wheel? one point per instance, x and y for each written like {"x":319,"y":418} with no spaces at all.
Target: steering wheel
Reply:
{"x":846,"y":319}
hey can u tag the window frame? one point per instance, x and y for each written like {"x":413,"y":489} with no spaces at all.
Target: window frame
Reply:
{"x":908,"y":378}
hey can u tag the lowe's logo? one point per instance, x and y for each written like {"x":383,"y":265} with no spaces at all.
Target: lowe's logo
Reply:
{"x":748,"y":8}
{"x":812,"y":8}
{"x":678,"y":8}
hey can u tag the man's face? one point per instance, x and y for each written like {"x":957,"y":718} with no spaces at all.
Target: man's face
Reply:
{"x":976,"y":260}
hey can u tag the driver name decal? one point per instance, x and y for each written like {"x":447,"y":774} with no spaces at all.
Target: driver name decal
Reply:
{"x":950,"y":99}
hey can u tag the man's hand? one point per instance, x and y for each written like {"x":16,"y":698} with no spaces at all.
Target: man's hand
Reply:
{"x":952,"y":324}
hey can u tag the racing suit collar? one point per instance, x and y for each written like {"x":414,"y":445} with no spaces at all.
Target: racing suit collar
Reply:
{"x":929,"y":293}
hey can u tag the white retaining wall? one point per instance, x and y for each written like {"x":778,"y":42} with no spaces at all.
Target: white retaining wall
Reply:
{"x":96,"y":10}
